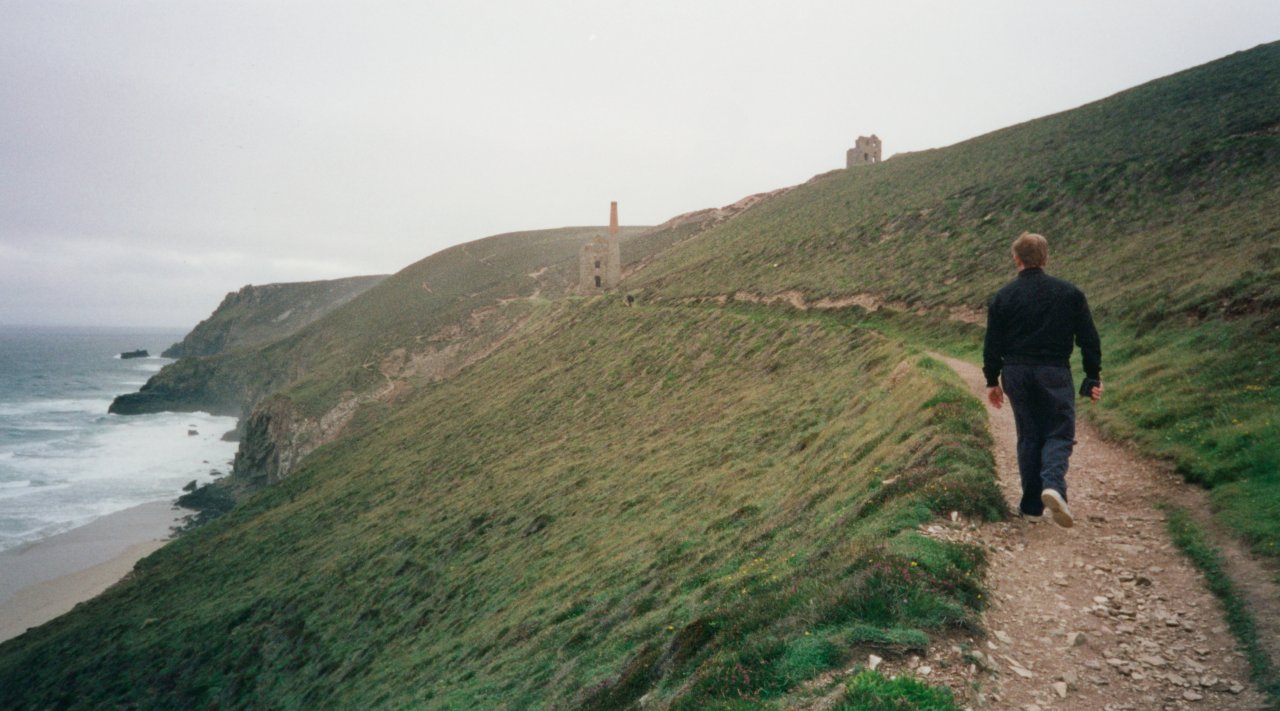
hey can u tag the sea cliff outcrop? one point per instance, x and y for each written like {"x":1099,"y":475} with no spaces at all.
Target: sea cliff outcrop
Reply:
{"x":197,"y":384}
{"x":255,"y":315}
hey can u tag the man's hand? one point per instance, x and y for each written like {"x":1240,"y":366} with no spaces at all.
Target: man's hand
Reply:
{"x":995,"y":396}
{"x":1091,"y":388}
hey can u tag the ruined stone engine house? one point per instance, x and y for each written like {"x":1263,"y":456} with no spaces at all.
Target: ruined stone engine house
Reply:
{"x":600,"y":260}
{"x":865,"y":151}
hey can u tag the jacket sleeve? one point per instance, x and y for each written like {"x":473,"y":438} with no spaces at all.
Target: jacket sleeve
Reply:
{"x":992,"y":344}
{"x":1088,"y":341}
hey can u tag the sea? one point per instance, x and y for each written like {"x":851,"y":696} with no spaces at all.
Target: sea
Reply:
{"x":63,"y":460}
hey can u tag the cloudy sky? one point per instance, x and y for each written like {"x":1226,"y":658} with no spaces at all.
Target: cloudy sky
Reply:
{"x":155,"y":155}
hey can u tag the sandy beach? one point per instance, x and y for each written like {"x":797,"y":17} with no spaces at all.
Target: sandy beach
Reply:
{"x":44,"y":579}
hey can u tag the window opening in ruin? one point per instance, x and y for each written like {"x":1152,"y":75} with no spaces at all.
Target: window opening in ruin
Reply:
{"x":597,"y":264}
{"x":597,"y":278}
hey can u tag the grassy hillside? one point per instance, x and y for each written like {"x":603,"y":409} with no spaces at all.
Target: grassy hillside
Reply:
{"x":1161,"y":202}
{"x":340,"y":352}
{"x":260,"y":314}
{"x":1125,"y":180}
{"x":704,"y":506}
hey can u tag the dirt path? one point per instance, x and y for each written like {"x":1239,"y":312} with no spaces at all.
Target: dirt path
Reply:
{"x":1106,"y":615}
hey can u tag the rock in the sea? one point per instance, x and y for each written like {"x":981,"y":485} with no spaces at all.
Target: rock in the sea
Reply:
{"x":140,"y":353}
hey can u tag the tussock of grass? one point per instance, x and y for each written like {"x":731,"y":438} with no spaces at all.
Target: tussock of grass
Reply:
{"x":870,"y":691}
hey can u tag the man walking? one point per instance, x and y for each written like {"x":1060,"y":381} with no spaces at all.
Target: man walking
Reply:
{"x":1032,"y":323}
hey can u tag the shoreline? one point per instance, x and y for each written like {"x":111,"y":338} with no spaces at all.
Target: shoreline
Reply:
{"x":47,"y":578}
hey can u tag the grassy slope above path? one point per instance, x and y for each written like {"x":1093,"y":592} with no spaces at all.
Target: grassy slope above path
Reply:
{"x":927,"y":227}
{"x":1162,"y":202}
{"x":706,"y":504}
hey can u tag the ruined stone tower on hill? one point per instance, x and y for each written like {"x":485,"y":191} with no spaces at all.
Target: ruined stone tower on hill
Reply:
{"x":600,"y":260}
{"x":866,"y":151}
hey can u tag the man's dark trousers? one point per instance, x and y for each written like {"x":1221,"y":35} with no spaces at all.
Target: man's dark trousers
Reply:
{"x":1044,"y":410}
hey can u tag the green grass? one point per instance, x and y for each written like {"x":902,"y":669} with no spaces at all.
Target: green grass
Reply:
{"x":869,"y":691}
{"x":685,"y":503}
{"x":1204,"y":397}
{"x":1191,"y":539}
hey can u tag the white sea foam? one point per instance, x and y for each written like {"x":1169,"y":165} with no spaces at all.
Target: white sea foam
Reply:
{"x":31,"y":488}
{"x":117,"y":463}
{"x":63,"y":460}
{"x":54,"y":406}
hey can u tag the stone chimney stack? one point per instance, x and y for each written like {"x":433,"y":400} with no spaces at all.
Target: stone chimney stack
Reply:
{"x":613,"y":274}
{"x":600,"y":260}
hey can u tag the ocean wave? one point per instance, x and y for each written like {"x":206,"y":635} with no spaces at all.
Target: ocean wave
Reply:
{"x":35,"y":530}
{"x":109,"y":466}
{"x":65,"y":462}
{"x":52,"y":406}
{"x":31,"y":489}
{"x":28,"y":429}
{"x":33,"y":524}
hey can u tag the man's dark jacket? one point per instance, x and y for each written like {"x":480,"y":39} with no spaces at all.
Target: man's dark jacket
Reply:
{"x":1033,"y":320}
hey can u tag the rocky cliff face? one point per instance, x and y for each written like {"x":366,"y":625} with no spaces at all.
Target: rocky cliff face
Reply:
{"x":255,"y":315}
{"x":278,"y":434}
{"x":206,"y":379}
{"x":186,"y":386}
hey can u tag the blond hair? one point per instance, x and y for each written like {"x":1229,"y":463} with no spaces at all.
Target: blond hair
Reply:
{"x":1031,"y":249}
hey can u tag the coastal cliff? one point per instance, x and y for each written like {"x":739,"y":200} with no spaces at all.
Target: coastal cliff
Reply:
{"x":215,"y":370}
{"x":190,"y":385}
{"x":255,"y":315}
{"x":423,"y":324}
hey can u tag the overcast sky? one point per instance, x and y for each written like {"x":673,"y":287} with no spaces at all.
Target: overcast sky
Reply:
{"x":156,"y":155}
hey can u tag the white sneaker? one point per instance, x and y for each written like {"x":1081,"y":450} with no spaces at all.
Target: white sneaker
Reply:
{"x":1057,"y":505}
{"x":1029,"y":518}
